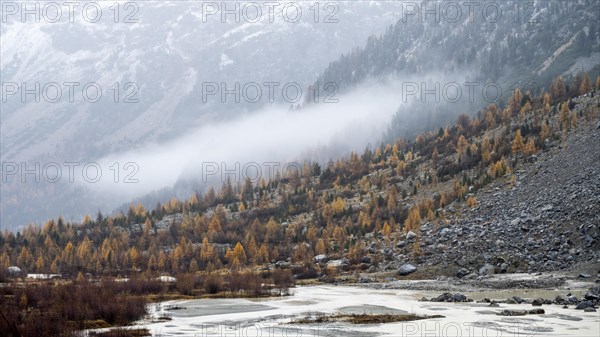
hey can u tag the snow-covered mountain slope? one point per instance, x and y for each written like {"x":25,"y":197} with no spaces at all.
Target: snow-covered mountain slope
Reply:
{"x":156,"y":56}
{"x":506,"y":42}
{"x":499,"y":46}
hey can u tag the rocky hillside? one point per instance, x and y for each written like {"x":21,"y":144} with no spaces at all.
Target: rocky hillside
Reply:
{"x":546,"y":219}
{"x":512,"y":190}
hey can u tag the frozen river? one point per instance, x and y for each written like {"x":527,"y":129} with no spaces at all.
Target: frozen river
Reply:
{"x":273,"y":317}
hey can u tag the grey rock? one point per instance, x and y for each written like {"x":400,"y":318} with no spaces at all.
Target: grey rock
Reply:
{"x":338,"y":264}
{"x":487,"y":269}
{"x":584,"y":304}
{"x":282,"y":264}
{"x":320,"y":258}
{"x":363,"y":279}
{"x":406,"y":269}
{"x":537,"y":302}
{"x":462,"y":272}
{"x":508,"y":312}
{"x":459,"y":298}
{"x":591,"y":296}
{"x":560,"y":299}
{"x":445,"y":231}
{"x":589,"y":309}
{"x":410,"y":235}
{"x":448,"y":297}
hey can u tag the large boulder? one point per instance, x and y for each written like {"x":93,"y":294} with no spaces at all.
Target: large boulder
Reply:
{"x":282,"y":265}
{"x":410,"y":235}
{"x":321,"y":258}
{"x":448,"y":297}
{"x":462,"y":272}
{"x":560,"y":299}
{"x":459,"y":297}
{"x":14,"y":270}
{"x":406,"y":269}
{"x":487,"y":269}
{"x":342,"y":264}
{"x":585,"y":304}
{"x":537,"y":302}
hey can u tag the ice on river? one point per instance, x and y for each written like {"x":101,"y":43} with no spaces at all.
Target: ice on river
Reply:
{"x":273,"y":317}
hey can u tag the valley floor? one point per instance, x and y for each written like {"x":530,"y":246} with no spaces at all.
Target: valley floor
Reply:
{"x":278,"y":317}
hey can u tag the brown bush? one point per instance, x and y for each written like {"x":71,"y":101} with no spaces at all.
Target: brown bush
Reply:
{"x":46,"y":309}
{"x":213,"y":283}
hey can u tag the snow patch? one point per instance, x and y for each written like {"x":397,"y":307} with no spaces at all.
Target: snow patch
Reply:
{"x":225,"y":61}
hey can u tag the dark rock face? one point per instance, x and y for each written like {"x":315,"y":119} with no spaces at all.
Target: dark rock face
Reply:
{"x":406,"y":269}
